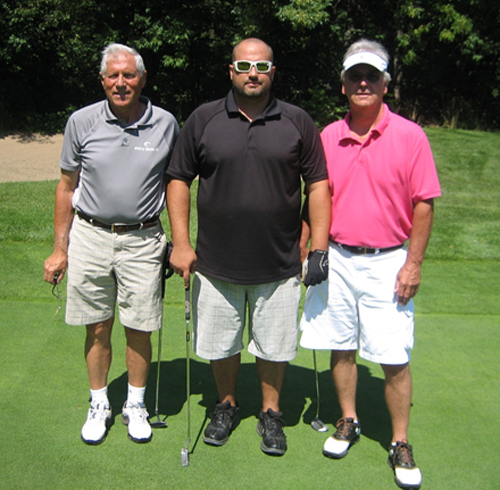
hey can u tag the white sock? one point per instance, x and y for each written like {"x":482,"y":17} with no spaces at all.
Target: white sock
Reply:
{"x":100,"y":397}
{"x":135,"y":395}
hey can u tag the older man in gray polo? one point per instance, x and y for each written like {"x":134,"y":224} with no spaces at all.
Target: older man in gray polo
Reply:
{"x":113,"y":163}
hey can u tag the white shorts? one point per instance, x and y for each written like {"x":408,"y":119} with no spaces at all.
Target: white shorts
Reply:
{"x":219,"y":311}
{"x":106,"y":269}
{"x":358,"y":309}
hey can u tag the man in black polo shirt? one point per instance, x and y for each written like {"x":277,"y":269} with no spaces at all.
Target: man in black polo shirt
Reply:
{"x":250,"y":152}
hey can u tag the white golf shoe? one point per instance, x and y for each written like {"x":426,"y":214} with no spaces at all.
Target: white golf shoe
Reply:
{"x":95,"y":429}
{"x":135,"y":416}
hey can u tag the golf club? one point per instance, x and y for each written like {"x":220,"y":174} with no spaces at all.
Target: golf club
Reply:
{"x":167,"y":271}
{"x":316,"y":423}
{"x":158,"y":424}
{"x":185,"y":449}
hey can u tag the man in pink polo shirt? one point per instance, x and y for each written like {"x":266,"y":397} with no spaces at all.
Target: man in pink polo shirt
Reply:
{"x":383,"y":178}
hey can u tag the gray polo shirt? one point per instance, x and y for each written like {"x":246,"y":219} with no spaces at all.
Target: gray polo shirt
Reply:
{"x":122,"y":168}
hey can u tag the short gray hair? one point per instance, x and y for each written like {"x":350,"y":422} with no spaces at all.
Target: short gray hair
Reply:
{"x":113,"y":49}
{"x":368,"y":46}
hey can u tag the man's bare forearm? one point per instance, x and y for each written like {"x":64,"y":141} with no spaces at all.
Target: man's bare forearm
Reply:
{"x":64,"y":211}
{"x":423,"y":217}
{"x":179,"y":205}
{"x":319,"y":213}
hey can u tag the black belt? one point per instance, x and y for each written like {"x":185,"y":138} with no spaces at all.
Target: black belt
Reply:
{"x":120,"y":228}
{"x":364,"y":251}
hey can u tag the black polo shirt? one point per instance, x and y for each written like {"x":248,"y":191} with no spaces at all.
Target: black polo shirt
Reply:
{"x":249,"y":193}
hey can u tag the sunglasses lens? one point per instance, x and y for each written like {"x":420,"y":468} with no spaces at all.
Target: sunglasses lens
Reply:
{"x":263,"y":66}
{"x":373,"y":77}
{"x":356,"y":77}
{"x":243,"y":66}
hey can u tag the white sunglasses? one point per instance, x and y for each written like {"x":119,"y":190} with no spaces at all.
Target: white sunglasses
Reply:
{"x":244,"y":66}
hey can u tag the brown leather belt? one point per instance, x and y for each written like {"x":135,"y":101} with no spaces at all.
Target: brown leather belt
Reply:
{"x":119,"y":228}
{"x":365,"y":251}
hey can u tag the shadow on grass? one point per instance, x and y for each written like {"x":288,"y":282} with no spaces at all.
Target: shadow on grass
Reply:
{"x":299,"y":391}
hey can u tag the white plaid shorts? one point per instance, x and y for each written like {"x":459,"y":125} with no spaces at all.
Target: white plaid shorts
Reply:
{"x":219,"y":312}
{"x":107,"y":269}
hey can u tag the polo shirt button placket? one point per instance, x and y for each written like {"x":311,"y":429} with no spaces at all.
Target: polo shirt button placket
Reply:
{"x":251,"y":143}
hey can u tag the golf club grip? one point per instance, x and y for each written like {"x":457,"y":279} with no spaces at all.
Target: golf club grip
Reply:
{"x":187,"y":310}
{"x":187,"y":305}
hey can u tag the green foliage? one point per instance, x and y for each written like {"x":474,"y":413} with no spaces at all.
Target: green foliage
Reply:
{"x":305,"y":13}
{"x":325,"y":106}
{"x":444,"y":67}
{"x":50,"y":50}
{"x":447,"y":72}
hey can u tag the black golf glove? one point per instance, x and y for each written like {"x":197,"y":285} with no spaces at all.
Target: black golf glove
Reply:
{"x":166,"y":261}
{"x":315,"y":268}
{"x":166,"y":270}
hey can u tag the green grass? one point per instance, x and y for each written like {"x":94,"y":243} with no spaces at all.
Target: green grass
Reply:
{"x":454,"y":429}
{"x":467,"y":214}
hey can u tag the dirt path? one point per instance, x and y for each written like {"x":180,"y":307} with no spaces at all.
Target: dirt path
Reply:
{"x":29,"y":158}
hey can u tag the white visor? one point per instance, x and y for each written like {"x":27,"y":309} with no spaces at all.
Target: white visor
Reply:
{"x":365,"y":58}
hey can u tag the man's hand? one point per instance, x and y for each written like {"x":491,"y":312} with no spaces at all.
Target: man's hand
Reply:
{"x":315,"y":268}
{"x":408,"y":279}
{"x":168,"y":271}
{"x":55,"y":267}
{"x":183,"y":261}
{"x":407,"y":282}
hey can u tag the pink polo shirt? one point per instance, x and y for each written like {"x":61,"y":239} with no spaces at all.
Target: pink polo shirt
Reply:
{"x":375,"y":184}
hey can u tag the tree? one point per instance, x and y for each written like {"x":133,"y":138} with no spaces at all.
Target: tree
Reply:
{"x":445,"y":54}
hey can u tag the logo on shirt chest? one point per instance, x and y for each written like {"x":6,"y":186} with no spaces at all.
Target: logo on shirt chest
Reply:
{"x":146,"y":146}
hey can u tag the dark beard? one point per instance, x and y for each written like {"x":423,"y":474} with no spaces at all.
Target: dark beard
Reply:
{"x":250,"y":94}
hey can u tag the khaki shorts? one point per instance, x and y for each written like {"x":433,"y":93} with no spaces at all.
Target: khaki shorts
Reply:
{"x":357,"y":308}
{"x":107,"y":269}
{"x":219,"y":312}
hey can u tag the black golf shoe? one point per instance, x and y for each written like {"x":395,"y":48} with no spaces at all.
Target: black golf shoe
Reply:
{"x":270,"y":428}
{"x":223,"y":420}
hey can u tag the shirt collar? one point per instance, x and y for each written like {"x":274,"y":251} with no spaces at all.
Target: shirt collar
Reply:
{"x":273,"y":107}
{"x":378,"y":129}
{"x":145,"y":120}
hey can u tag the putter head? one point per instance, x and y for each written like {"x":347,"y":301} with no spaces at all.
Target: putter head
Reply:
{"x":185,"y":456}
{"x":318,"y":425}
{"x":158,"y":424}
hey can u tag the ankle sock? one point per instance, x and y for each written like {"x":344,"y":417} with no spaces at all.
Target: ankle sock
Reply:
{"x":135,"y":395}
{"x":99,"y":397}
